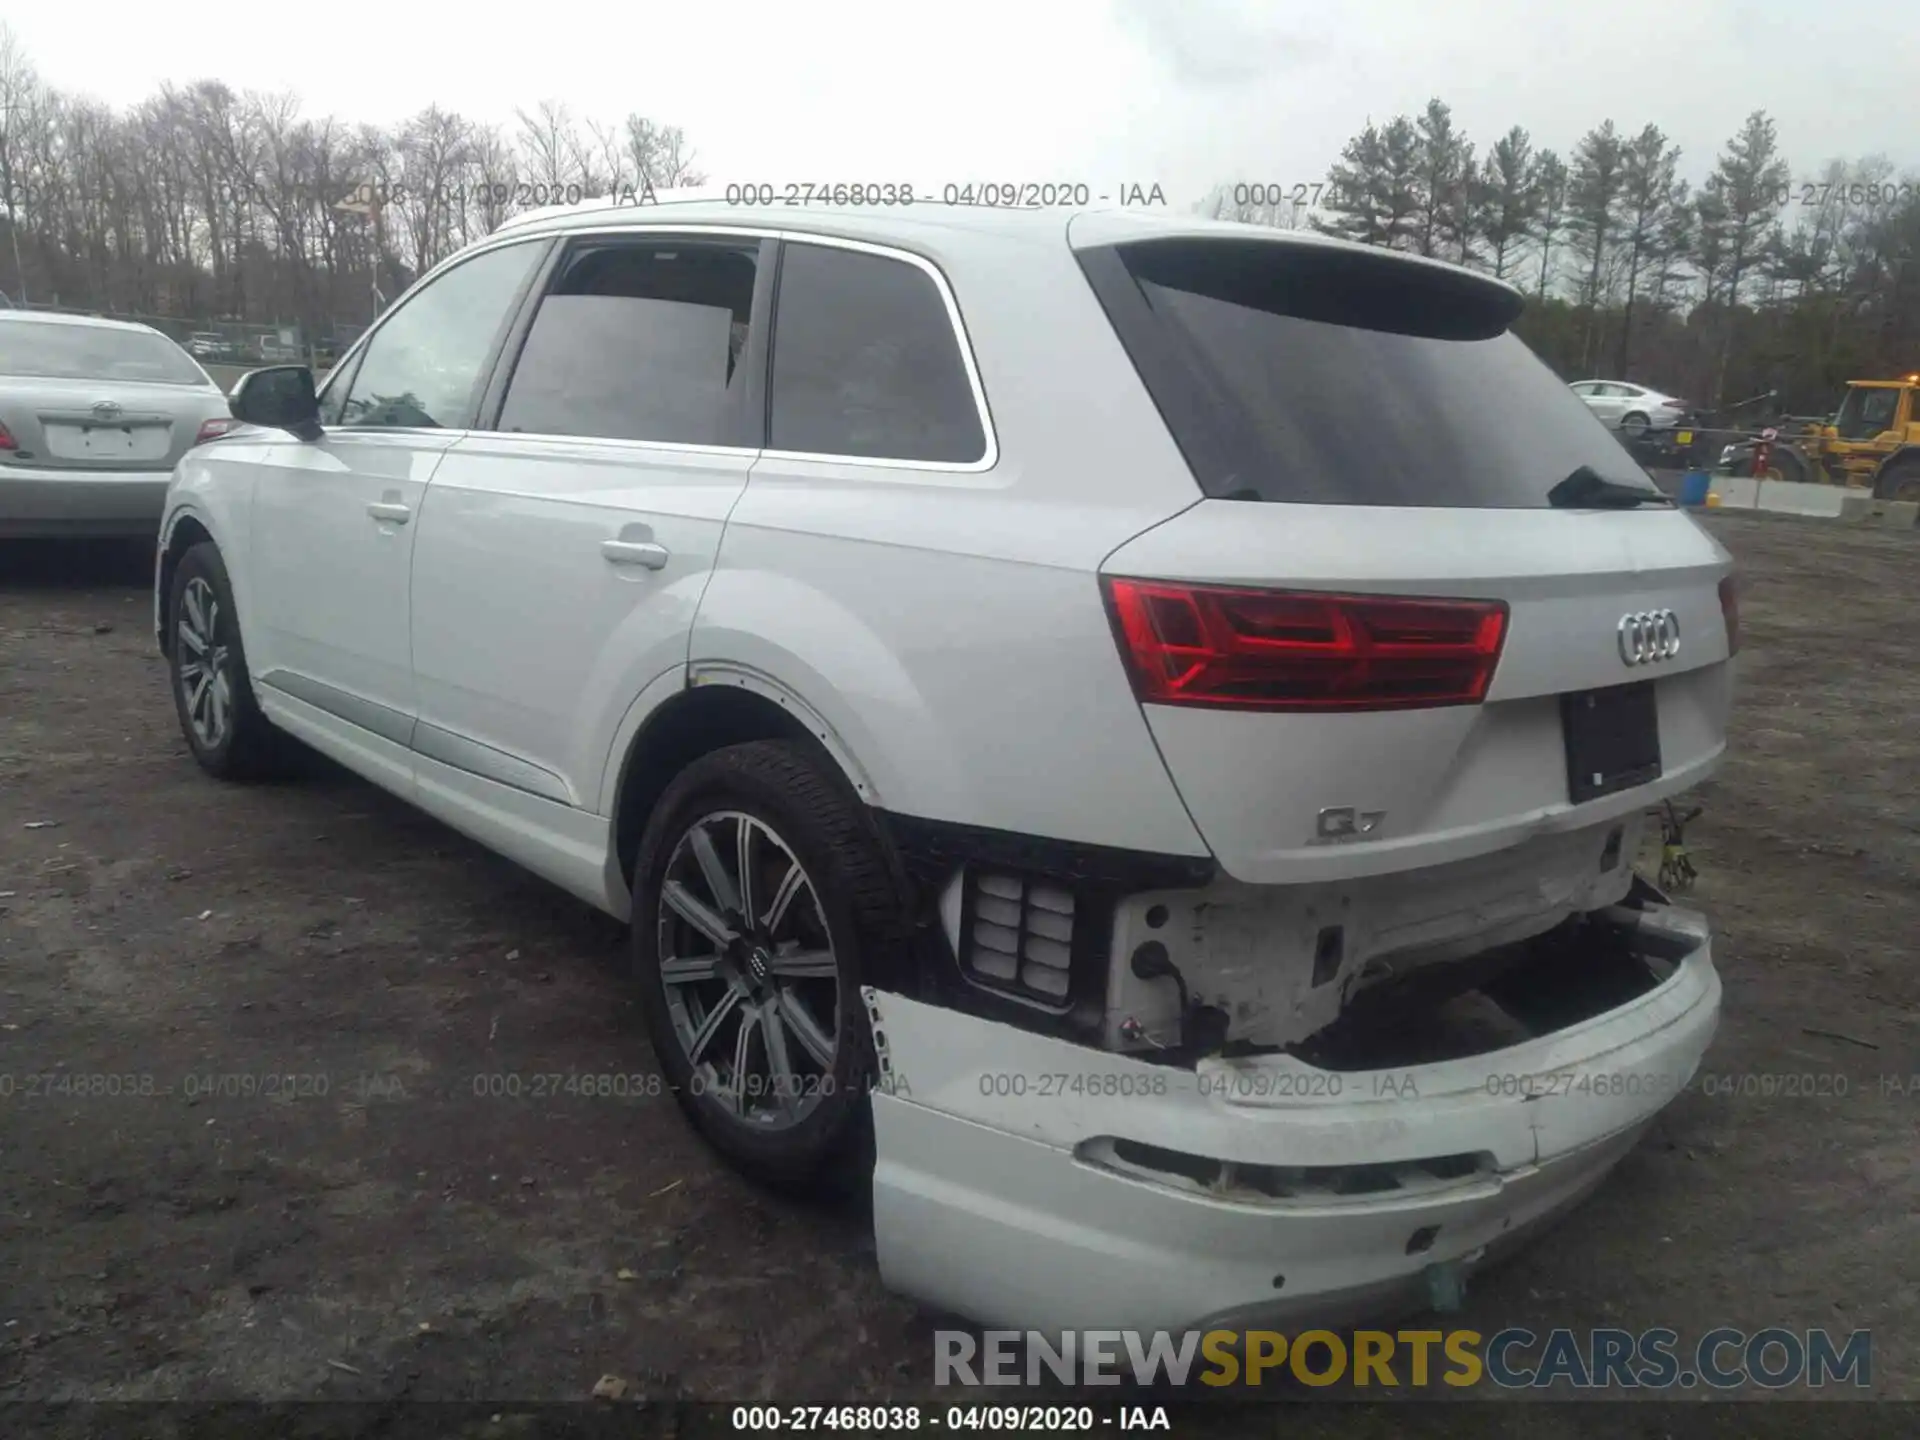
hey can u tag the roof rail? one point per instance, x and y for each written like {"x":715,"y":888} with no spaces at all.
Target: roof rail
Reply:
{"x":687,"y":195}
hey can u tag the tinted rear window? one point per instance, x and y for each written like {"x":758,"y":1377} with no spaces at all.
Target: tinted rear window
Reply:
{"x":1320,"y":376}
{"x":866,"y":362}
{"x":92,"y":352}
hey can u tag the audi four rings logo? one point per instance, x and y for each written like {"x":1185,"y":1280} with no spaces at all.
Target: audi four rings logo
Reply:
{"x":1649,"y":635}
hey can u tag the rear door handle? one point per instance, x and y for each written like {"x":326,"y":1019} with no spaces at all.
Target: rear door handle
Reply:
{"x":634,"y":552}
{"x":387,"y":510}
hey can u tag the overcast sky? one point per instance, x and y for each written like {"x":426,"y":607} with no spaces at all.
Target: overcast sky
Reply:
{"x":1180,"y":92}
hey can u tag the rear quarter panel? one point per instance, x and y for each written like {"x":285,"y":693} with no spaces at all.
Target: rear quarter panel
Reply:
{"x":948,"y":624}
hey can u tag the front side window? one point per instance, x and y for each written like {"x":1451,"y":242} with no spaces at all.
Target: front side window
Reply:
{"x":1866,"y":412}
{"x":424,"y":365}
{"x":639,"y":342}
{"x":866,"y":362}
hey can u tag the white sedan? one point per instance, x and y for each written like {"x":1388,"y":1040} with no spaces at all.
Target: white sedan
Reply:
{"x":1631,"y":409}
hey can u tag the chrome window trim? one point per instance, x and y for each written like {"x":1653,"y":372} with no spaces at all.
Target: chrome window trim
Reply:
{"x":613,"y":442}
{"x":693,"y":230}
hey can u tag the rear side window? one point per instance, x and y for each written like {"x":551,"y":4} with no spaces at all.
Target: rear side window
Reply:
{"x":1317,"y":375}
{"x":638,"y":342}
{"x":53,"y":350}
{"x":867,"y":363}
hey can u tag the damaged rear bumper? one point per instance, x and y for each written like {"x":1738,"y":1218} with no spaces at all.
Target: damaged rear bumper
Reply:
{"x":1029,"y":1182}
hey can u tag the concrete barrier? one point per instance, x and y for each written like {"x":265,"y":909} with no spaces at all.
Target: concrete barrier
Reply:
{"x":1786,"y":497}
{"x":1863,"y":509}
{"x":1736,"y":492}
{"x":1793,"y":497}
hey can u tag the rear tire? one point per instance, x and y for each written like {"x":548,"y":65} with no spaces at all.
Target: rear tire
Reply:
{"x":212,"y":694}
{"x":757,"y":1020}
{"x":1634,"y":426}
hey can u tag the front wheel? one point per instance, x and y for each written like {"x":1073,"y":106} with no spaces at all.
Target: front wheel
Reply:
{"x":762,"y":901}
{"x":1899,"y":479}
{"x":212,"y":693}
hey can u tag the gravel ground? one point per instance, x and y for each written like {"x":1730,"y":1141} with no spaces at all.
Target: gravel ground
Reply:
{"x":380,"y":1222}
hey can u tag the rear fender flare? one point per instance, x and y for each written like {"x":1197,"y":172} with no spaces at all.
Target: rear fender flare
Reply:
{"x":798,"y":646}
{"x":723,"y":672}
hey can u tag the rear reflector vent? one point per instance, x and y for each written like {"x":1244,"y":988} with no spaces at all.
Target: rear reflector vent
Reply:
{"x":1016,"y":937}
{"x":1289,"y":650}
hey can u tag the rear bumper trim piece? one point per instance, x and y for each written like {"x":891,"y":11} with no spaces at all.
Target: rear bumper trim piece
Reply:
{"x":40,"y":502}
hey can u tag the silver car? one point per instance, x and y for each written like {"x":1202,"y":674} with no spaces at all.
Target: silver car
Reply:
{"x":93,"y":415}
{"x":1631,"y":409}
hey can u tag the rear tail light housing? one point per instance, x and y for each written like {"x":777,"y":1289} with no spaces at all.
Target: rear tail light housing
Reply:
{"x":1286,"y":650}
{"x":214,"y":429}
{"x":7,"y":442}
{"x":1730,"y":609}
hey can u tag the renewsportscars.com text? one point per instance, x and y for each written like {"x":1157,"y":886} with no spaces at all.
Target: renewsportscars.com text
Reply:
{"x":1775,"y":1358}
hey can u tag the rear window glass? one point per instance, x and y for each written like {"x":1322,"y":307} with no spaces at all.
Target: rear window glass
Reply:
{"x":92,"y":352}
{"x":1322,"y":376}
{"x":866,"y":362}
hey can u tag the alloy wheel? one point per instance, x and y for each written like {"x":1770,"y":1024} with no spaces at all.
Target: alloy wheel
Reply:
{"x":748,"y":967}
{"x":204,"y":663}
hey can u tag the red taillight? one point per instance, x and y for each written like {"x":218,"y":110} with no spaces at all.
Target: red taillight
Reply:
{"x":1287,"y":650}
{"x":1730,"y":608}
{"x":213,"y":430}
{"x":7,"y":442}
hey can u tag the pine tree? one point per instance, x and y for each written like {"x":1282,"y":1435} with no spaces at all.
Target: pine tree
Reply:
{"x":1593,"y":191}
{"x":1508,"y":196}
{"x":1356,"y":191}
{"x":1646,"y":194}
{"x":1750,"y":180}
{"x":1550,"y":184}
{"x":1442,"y":222}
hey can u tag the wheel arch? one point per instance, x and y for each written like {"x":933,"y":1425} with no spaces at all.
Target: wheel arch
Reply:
{"x":186,"y":529}
{"x":721,"y":705}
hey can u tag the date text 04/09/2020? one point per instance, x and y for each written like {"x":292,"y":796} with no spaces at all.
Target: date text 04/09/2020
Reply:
{"x":1018,"y":1419}
{"x":997,"y":194}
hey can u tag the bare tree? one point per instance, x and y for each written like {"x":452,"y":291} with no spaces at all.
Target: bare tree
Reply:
{"x":1282,"y":212}
{"x":660,"y":157}
{"x":20,"y":99}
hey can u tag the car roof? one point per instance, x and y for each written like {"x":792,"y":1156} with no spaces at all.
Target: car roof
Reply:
{"x":949,"y":226}
{"x":95,"y":322}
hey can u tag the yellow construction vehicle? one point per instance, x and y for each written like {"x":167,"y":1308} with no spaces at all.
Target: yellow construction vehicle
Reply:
{"x":1872,"y":441}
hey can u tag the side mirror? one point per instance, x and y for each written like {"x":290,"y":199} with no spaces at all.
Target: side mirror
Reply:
{"x":280,"y":398}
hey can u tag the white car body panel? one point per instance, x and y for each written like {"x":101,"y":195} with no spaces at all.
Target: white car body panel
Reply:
{"x":940,"y":630}
{"x":330,"y":618}
{"x":1455,"y":781}
{"x":992,"y":1204}
{"x":513,"y":537}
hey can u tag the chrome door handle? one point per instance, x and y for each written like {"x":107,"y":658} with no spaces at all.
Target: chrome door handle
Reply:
{"x":387,"y":510}
{"x":634,"y":552}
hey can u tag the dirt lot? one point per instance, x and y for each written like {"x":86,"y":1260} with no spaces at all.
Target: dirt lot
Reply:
{"x":390,"y":1229}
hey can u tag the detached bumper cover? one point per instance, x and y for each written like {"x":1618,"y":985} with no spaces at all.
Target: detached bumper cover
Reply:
{"x":990,"y":1201}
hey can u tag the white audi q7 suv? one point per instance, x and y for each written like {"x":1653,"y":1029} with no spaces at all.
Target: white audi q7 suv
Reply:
{"x":1095,"y":734}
